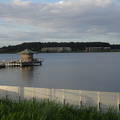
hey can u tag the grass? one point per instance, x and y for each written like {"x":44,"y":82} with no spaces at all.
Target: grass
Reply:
{"x":45,"y":110}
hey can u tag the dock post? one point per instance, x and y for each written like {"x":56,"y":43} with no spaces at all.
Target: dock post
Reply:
{"x":6,"y":64}
{"x":20,"y":63}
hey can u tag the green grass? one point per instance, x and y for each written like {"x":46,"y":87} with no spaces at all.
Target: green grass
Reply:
{"x":45,"y":110}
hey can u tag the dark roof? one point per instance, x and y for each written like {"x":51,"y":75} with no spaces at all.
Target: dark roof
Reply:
{"x":27,"y":51}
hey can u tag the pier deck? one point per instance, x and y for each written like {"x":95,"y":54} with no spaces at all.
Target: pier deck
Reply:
{"x":21,"y":63}
{"x":2,"y":65}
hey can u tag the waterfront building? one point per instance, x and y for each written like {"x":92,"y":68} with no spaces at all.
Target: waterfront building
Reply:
{"x":26,"y":59}
{"x":97,"y":49}
{"x":27,"y":55}
{"x":56,"y":49}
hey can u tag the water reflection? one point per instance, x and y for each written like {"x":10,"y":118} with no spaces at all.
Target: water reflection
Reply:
{"x":27,"y":73}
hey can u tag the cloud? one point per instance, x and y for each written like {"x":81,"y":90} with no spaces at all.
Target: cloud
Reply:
{"x":103,"y":2}
{"x":21,"y":3}
{"x":67,"y":20}
{"x":84,"y":2}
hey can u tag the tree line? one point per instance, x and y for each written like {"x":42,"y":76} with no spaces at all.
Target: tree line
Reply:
{"x":75,"y":46}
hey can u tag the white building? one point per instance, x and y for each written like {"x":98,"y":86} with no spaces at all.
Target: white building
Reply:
{"x":97,"y":49}
{"x":56,"y":49}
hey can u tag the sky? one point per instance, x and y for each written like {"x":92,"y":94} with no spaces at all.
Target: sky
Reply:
{"x":59,"y":21}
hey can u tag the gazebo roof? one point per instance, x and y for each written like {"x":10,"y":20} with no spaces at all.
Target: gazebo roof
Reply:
{"x":27,"y":51}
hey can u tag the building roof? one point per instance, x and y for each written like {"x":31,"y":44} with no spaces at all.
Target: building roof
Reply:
{"x":27,"y":51}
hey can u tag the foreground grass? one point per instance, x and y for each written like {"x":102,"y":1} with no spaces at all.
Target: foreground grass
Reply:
{"x":44,"y":110}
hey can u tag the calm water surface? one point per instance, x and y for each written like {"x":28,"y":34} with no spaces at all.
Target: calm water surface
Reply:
{"x":87,"y":71}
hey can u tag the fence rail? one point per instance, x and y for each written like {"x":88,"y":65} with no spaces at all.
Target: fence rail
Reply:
{"x":65,"y":96}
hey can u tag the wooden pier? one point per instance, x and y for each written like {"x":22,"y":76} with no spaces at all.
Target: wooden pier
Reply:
{"x":2,"y":65}
{"x":20,"y":63}
{"x":25,"y":60}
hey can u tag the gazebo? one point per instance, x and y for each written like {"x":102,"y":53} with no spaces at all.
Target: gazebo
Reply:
{"x":27,"y":55}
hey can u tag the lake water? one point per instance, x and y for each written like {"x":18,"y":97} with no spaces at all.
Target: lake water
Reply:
{"x":85,"y":71}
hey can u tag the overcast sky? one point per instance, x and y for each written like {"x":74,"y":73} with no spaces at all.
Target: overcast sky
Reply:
{"x":56,"y":20}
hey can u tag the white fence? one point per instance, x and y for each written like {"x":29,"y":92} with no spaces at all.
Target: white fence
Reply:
{"x":72,"y":97}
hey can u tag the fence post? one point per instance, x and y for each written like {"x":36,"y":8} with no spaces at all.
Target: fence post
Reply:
{"x":80,"y":101}
{"x":53,"y":94}
{"x":33,"y":93}
{"x":21,"y":92}
{"x":98,"y":101}
{"x":63,"y":97}
{"x":50,"y":94}
{"x":118,"y":101}
{"x":6,"y":93}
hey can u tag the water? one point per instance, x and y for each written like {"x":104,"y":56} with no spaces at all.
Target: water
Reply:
{"x":85,"y":71}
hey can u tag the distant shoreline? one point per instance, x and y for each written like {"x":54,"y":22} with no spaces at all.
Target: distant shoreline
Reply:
{"x":63,"y":47}
{"x":63,"y":52}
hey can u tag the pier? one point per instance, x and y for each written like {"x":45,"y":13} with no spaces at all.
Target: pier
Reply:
{"x":20,"y":64}
{"x":2,"y":65}
{"x":26,"y":59}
